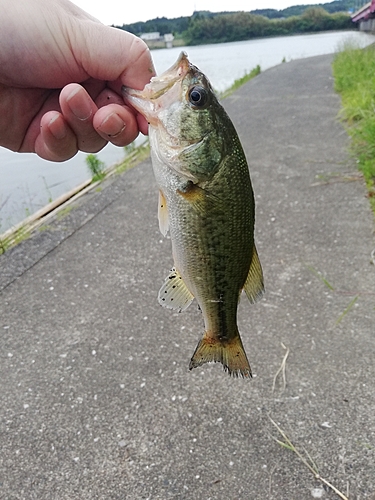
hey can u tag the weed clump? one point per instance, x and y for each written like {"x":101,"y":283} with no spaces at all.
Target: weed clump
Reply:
{"x":96,"y":167}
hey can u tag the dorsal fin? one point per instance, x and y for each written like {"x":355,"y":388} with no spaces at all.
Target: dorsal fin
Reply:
{"x":254,"y":286}
{"x":174,"y":294}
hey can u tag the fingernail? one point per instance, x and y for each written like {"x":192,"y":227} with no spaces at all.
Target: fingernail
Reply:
{"x":79,"y":104}
{"x":112,"y":126}
{"x":57,"y":127}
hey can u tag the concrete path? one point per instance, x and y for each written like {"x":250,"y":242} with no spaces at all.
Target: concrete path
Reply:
{"x":96,"y":398}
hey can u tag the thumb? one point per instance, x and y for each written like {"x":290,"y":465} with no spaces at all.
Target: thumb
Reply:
{"x":107,"y":53}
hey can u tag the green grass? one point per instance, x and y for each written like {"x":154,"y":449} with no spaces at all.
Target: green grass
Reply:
{"x":96,"y":167}
{"x":346,"y":310}
{"x":64,"y":212}
{"x":354,"y":73}
{"x":135,"y":154}
{"x":15,"y":238}
{"x":240,"y":81}
{"x":321,"y":277}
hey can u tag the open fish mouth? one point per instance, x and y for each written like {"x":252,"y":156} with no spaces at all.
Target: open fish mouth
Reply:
{"x":145,"y":101}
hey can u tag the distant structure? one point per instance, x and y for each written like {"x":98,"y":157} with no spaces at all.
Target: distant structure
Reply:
{"x":365,"y":17}
{"x":155,"y":40}
{"x":151,"y":37}
{"x":168,"y":38}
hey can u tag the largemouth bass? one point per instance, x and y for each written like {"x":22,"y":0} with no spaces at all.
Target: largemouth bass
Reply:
{"x":206,"y":201}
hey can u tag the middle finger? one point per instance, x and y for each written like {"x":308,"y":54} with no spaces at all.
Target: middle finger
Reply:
{"x":78,"y":110}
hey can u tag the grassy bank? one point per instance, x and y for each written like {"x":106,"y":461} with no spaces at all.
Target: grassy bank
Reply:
{"x":240,"y":81}
{"x":354,"y":73}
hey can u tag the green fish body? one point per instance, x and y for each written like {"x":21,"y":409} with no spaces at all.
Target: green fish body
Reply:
{"x":206,"y":202}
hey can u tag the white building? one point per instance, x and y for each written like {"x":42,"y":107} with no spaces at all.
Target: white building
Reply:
{"x":168,"y":38}
{"x":155,"y":37}
{"x":151,"y":37}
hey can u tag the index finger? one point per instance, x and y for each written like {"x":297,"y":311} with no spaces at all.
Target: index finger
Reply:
{"x":116,"y":56}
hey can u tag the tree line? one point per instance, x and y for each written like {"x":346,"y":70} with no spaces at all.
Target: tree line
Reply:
{"x":244,"y":26}
{"x":207,"y":27}
{"x":298,"y":10}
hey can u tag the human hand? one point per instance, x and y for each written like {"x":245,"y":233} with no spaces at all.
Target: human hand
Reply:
{"x":61,"y":73}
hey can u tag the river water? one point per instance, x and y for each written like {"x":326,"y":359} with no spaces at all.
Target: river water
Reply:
{"x":27,"y":182}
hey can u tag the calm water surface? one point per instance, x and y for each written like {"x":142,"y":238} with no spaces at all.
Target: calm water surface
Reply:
{"x":27,"y":182}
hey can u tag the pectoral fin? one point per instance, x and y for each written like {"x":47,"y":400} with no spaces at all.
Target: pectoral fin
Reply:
{"x":163,"y":214}
{"x":254,"y":286}
{"x":174,"y":294}
{"x":200,"y":199}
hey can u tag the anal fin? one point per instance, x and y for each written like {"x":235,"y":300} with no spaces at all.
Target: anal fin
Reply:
{"x":254,"y":286}
{"x":174,"y":294}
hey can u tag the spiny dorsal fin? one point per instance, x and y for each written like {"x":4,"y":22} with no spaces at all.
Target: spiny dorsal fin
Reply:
{"x":174,"y":293}
{"x":163,"y":214}
{"x":254,"y":287}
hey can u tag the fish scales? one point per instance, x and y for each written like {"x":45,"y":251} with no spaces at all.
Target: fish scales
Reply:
{"x":206,"y":201}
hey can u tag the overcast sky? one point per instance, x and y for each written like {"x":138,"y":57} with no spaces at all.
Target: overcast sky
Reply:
{"x":130,"y":11}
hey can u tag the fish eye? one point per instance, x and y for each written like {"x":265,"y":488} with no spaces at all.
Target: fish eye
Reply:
{"x":198,"y":96}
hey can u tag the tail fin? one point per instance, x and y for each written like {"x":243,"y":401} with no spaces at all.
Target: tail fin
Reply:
{"x":229,"y":352}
